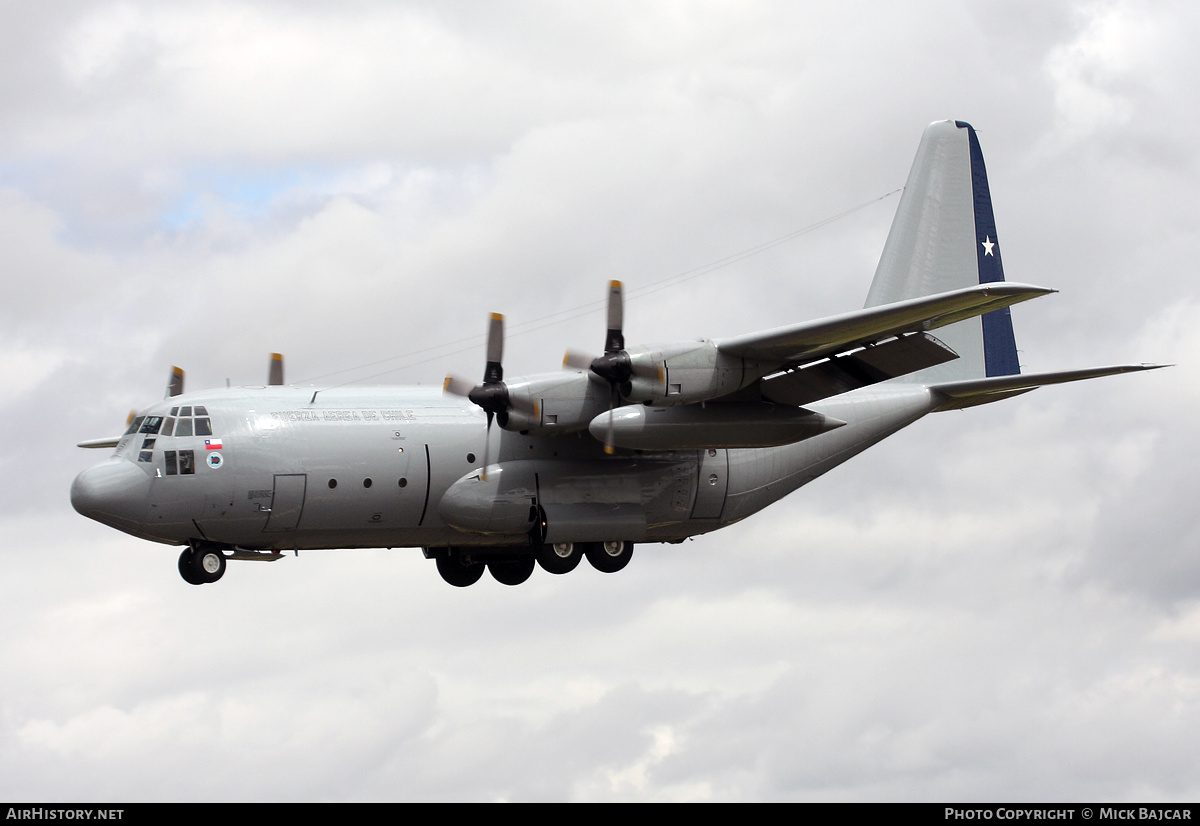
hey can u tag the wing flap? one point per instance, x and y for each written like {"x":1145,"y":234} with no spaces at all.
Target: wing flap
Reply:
{"x":826,"y":337}
{"x":850,"y":371}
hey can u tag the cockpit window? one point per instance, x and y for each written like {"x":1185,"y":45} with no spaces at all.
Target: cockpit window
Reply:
{"x":151,"y":424}
{"x":191,"y":420}
{"x":134,"y":425}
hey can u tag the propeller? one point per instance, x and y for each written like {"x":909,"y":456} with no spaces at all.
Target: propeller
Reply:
{"x":616,"y":365}
{"x":492,"y":394}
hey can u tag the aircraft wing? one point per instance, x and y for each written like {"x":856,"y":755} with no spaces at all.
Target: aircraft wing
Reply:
{"x":970,"y":392}
{"x":819,"y":339}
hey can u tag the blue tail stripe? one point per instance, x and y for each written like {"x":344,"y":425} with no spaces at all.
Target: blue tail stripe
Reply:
{"x":999,"y":343}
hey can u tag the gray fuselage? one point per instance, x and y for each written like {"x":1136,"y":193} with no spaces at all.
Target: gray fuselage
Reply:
{"x":286,"y":468}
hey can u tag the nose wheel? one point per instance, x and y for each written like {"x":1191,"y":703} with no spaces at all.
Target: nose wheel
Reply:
{"x":202,"y":564}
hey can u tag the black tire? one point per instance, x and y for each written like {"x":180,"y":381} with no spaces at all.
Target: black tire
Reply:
{"x":186,"y":569}
{"x":511,"y":571}
{"x":458,"y":571}
{"x":561,"y":558}
{"x":609,"y":557}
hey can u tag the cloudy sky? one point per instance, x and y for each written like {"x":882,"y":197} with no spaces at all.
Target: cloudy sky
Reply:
{"x":996,"y":604}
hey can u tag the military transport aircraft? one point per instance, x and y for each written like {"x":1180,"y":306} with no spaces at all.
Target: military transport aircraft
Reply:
{"x":652,"y":443}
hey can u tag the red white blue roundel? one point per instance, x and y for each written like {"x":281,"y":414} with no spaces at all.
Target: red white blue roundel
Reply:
{"x":214,"y":460}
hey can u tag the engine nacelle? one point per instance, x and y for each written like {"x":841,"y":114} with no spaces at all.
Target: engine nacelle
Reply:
{"x":683,"y":373}
{"x":554,"y":403}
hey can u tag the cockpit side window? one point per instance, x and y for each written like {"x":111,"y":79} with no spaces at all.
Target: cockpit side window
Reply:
{"x":203,"y":427}
{"x":183,"y":427}
{"x":134,"y":425}
{"x":151,"y":424}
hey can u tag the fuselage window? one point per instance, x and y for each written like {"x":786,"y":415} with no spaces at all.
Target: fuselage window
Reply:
{"x":187,"y":462}
{"x":169,"y":460}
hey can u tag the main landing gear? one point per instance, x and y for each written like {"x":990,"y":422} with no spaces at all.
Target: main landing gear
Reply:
{"x":201,"y":564}
{"x":462,"y":567}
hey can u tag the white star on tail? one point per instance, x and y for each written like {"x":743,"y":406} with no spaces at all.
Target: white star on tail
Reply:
{"x":987,"y":244}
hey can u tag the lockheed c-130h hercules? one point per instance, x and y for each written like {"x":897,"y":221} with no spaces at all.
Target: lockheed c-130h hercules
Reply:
{"x":639,"y":444}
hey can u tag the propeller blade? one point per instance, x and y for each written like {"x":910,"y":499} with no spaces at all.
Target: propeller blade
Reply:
{"x":614,"y":400}
{"x":578,"y":361}
{"x":175,"y":382}
{"x":457,"y":387}
{"x":495,"y":350}
{"x":487,"y":446}
{"x":615,"y":340}
{"x":275,"y":371}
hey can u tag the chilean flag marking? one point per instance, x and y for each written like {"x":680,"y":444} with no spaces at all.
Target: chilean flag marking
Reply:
{"x":212,"y":444}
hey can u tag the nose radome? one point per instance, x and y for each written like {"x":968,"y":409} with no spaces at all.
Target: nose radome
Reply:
{"x":113,"y":493}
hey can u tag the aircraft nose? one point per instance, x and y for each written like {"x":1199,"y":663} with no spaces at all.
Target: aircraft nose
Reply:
{"x":113,"y":493}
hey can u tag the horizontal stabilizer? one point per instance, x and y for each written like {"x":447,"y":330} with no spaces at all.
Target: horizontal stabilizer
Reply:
{"x":968,"y":393}
{"x":829,"y":336}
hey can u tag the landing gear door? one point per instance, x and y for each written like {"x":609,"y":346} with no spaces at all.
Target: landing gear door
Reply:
{"x":287,"y":503}
{"x":711,"y":486}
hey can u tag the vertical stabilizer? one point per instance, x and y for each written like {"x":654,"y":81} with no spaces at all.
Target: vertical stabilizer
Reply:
{"x":944,"y":238}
